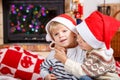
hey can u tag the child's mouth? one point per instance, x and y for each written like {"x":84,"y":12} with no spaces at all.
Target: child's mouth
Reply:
{"x":63,"y":40}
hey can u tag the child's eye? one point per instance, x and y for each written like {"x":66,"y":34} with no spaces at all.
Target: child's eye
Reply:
{"x":55,"y":34}
{"x":64,"y":30}
{"x":83,"y":40}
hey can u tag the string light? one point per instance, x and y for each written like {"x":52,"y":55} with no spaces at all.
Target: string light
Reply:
{"x":26,"y":18}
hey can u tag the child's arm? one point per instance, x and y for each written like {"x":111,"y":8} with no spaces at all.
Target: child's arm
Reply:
{"x":74,"y":68}
{"x":44,"y":69}
{"x":46,"y":65}
{"x":60,"y":53}
{"x":94,"y":65}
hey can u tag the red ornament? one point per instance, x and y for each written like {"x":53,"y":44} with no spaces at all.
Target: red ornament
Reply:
{"x":80,"y":9}
{"x":77,"y":15}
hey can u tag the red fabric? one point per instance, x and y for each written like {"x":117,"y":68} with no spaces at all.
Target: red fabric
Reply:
{"x":103,"y":27}
{"x":80,"y":9}
{"x":20,"y":63}
{"x":118,"y":67}
{"x":11,"y":58}
{"x":68,"y":17}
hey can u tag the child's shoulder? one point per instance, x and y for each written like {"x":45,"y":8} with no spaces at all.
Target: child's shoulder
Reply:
{"x":101,"y":53}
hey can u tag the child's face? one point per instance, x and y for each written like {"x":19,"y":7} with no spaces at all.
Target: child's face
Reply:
{"x":63,"y":36}
{"x":83,"y":44}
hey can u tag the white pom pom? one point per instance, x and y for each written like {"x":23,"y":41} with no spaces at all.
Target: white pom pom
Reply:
{"x":109,"y":52}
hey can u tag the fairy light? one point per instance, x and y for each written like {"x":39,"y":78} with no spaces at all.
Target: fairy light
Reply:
{"x":26,"y":18}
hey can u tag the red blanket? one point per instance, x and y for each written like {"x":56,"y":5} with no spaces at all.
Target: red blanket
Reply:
{"x":118,"y":67}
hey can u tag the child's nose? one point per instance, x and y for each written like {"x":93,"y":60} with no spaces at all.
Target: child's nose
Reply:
{"x":61,"y":34}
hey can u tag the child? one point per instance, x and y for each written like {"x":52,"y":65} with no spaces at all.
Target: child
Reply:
{"x":61,"y":31}
{"x":95,"y":34}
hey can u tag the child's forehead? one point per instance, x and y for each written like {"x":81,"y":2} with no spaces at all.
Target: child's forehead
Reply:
{"x":59,"y":26}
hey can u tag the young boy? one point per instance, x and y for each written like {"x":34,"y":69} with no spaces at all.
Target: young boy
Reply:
{"x":61,"y":31}
{"x":94,"y":36}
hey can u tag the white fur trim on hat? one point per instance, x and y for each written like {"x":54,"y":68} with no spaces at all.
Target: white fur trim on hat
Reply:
{"x":48,"y":37}
{"x":87,"y":35}
{"x":62,"y":20}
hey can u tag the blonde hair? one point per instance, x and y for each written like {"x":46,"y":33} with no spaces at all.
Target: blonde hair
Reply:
{"x":52,"y":26}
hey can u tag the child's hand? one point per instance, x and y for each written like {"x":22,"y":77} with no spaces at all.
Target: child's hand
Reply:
{"x":50,"y":77}
{"x":60,"y":54}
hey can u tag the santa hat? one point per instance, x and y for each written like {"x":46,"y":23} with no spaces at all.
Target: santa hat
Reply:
{"x":98,"y":29}
{"x":64,"y":19}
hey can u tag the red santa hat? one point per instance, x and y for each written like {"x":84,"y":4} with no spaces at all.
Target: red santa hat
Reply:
{"x":64,"y":19}
{"x":98,"y":29}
